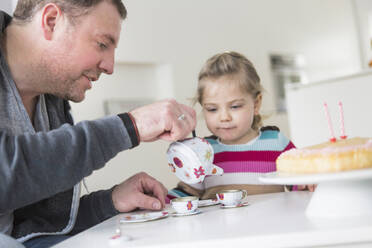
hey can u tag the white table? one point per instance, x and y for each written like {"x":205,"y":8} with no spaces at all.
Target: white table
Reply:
{"x":272,"y":220}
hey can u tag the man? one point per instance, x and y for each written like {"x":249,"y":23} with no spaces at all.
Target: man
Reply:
{"x":51,"y":52}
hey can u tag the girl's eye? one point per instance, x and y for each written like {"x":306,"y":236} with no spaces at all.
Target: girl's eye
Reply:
{"x":211,"y":109}
{"x":236,"y":106}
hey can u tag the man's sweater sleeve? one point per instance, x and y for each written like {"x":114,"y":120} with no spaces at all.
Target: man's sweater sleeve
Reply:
{"x":93,"y":209}
{"x":37,"y":166}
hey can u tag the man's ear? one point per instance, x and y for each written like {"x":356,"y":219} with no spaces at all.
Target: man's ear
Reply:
{"x":257,"y":104}
{"x":51,"y":14}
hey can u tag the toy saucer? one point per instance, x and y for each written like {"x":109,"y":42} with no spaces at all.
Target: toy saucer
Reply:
{"x":197,"y":211}
{"x":243,"y":204}
{"x":208,"y":202}
{"x":143,"y":217}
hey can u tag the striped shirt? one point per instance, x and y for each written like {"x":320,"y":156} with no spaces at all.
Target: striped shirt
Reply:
{"x":243,"y":164}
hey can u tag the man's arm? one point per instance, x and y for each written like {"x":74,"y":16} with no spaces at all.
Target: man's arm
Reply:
{"x":34,"y":167}
{"x":37,"y":166}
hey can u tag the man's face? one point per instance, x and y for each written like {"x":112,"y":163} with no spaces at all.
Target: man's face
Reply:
{"x":81,"y":52}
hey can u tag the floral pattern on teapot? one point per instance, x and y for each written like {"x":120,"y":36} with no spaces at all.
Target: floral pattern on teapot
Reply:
{"x":192,"y":159}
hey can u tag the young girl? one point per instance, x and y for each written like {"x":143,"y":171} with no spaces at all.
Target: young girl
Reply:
{"x":230,"y":94}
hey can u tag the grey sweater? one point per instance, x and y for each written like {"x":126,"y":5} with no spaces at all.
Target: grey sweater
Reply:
{"x":40,"y":171}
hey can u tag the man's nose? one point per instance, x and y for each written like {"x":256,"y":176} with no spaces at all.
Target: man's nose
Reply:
{"x":106,"y":65}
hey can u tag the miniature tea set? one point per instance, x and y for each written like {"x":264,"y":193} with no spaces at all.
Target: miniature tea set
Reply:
{"x":191,"y":160}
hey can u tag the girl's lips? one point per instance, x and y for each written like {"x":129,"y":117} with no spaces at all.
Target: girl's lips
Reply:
{"x":226,"y":128}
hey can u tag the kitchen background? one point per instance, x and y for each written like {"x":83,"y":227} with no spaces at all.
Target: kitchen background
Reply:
{"x":164,"y":43}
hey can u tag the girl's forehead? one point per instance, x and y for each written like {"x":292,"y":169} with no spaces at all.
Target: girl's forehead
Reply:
{"x":215,"y":87}
{"x":223,"y":92}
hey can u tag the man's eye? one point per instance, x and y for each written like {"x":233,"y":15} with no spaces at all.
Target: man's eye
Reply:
{"x":102,"y":45}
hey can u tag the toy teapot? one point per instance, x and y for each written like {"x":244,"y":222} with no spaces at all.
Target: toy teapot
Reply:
{"x":192,"y":159}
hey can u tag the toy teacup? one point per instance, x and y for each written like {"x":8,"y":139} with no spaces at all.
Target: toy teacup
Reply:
{"x":185,"y":205}
{"x":231,"y":197}
{"x":192,"y":159}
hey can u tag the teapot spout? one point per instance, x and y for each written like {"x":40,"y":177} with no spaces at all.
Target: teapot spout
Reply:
{"x":216,"y":170}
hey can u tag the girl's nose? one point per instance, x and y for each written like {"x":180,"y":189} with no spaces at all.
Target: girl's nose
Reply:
{"x":225,"y":115}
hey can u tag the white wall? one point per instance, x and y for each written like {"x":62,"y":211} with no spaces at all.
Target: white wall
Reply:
{"x":6,"y":5}
{"x":14,"y":4}
{"x":181,"y":35}
{"x":307,"y":116}
{"x":363,"y":10}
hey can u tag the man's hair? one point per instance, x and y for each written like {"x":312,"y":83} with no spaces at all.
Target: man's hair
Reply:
{"x":26,"y":9}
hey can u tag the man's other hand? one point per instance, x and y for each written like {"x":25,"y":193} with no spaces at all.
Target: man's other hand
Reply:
{"x":139,"y":191}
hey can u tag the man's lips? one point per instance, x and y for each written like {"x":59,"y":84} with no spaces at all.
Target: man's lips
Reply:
{"x":89,"y":81}
{"x":91,"y":78}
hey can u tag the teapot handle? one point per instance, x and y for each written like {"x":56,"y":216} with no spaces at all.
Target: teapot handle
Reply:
{"x":217,"y":170}
{"x":245,"y":193}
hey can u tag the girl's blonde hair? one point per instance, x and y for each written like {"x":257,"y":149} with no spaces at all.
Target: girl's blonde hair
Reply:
{"x":232,"y":64}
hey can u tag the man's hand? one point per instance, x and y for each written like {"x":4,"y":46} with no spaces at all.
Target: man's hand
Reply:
{"x":139,"y":191}
{"x":167,"y":120}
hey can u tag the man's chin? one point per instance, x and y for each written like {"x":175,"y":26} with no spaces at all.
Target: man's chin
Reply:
{"x":79,"y":97}
{"x":76,"y":99}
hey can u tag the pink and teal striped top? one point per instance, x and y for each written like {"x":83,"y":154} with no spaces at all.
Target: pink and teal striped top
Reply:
{"x":244,"y":164}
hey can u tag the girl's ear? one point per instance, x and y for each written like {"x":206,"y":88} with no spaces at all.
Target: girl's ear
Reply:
{"x":257,"y":104}
{"x":50,"y":15}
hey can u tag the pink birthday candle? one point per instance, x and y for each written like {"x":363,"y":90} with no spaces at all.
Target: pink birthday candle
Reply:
{"x":333,"y":138}
{"x":343,"y":135}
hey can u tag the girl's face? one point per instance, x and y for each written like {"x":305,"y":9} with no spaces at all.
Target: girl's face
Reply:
{"x":229,"y":110}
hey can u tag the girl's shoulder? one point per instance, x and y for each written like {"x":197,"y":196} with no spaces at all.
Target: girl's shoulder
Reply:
{"x":272,"y":134}
{"x":269,"y":128}
{"x":213,"y":139}
{"x":269,"y":132}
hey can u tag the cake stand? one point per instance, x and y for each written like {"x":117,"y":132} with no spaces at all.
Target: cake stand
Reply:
{"x":338,"y":194}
